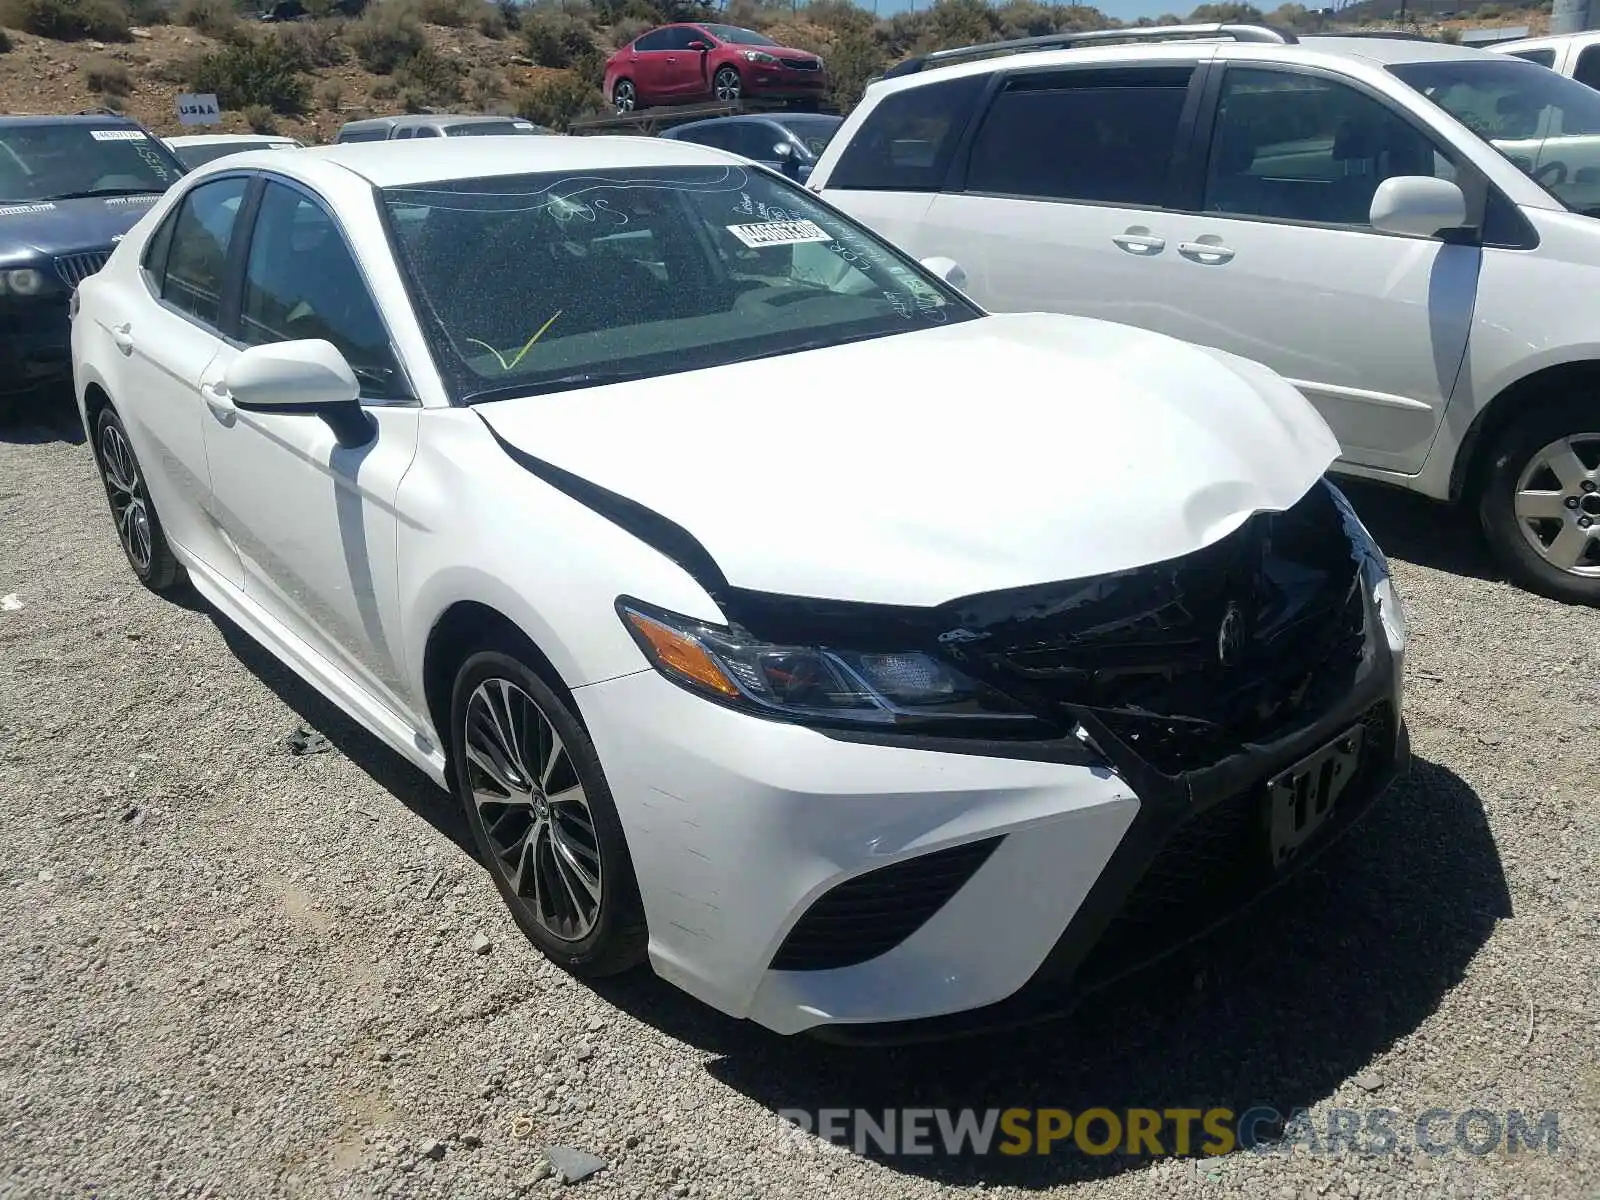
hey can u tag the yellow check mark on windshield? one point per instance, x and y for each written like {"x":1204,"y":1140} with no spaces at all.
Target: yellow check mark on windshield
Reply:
{"x":521,"y":354}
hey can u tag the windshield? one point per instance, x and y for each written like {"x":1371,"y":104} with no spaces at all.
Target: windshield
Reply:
{"x":739,"y":37}
{"x":194,"y":156}
{"x":1545,"y":123}
{"x":68,"y":159}
{"x":489,"y":129}
{"x":583,"y":279}
{"x":814,"y":132}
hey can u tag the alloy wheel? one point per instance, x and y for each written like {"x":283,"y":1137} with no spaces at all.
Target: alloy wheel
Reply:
{"x":130,"y":507}
{"x":535,"y":815}
{"x":727,"y":84}
{"x":1557,"y":503}
{"x":624,"y":97}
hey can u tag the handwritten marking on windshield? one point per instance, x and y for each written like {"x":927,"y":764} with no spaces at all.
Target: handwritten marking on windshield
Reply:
{"x":521,"y":354}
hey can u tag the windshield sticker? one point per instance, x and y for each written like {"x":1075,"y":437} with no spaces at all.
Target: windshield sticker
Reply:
{"x":132,"y":200}
{"x":22,"y":210}
{"x":117,"y":135}
{"x":779,"y":233}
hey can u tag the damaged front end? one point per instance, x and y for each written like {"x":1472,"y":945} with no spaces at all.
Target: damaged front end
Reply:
{"x":1249,"y":693}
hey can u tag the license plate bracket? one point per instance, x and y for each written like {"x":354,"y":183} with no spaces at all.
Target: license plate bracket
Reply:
{"x":1301,"y":799}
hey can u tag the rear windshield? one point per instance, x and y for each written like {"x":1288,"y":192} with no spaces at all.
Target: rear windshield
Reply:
{"x":1545,"y":123}
{"x":64,"y":161}
{"x":585,"y":279}
{"x":814,"y":132}
{"x":489,"y":129}
{"x":194,"y":156}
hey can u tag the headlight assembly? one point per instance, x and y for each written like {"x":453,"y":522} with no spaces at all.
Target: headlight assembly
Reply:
{"x":818,"y":685}
{"x":23,"y":281}
{"x":1375,"y":572}
{"x":759,"y":56}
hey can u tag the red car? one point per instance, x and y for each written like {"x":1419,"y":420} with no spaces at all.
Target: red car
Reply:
{"x":680,"y":64}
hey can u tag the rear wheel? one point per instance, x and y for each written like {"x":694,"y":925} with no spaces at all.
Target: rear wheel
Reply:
{"x":138,"y":527}
{"x":1540,"y":501}
{"x":624,"y":96}
{"x":542,"y":815}
{"x":726,"y":84}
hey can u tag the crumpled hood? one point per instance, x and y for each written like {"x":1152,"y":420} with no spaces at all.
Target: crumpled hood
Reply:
{"x":54,"y":227}
{"x":1001,"y":452}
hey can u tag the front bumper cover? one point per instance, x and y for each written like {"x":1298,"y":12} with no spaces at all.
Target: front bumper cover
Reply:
{"x":1114,"y":932}
{"x":35,"y":344}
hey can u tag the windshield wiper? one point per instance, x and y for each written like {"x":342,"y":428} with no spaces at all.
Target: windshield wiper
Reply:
{"x":581,"y":379}
{"x":91,"y":193}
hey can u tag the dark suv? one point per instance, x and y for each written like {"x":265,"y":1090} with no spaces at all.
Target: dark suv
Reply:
{"x":70,"y":187}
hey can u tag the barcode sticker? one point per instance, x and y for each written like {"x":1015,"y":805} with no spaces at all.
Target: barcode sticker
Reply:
{"x":779,"y":233}
{"x":117,"y":135}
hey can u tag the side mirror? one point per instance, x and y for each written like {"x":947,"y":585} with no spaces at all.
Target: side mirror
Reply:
{"x":946,"y":269}
{"x":309,"y":377}
{"x":782,"y":149}
{"x":1417,"y":205}
{"x":699,"y":45}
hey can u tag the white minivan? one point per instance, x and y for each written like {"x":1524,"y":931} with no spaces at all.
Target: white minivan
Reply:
{"x":1408,"y":231}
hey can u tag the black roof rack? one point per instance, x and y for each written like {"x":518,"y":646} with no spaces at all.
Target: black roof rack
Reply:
{"x":1063,"y":41}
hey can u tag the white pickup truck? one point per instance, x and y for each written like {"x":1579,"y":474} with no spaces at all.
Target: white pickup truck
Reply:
{"x":1573,"y":54}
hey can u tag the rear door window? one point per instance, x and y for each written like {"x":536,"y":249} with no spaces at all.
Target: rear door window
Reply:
{"x":906,"y":142}
{"x":1104,"y":137}
{"x":197,"y":262}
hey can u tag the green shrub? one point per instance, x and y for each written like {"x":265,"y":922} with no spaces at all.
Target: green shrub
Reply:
{"x":69,"y":20}
{"x":625,"y":30}
{"x":314,"y":43}
{"x":214,"y":18}
{"x":5,"y":41}
{"x":259,"y":117}
{"x":428,"y":80}
{"x":492,"y":21}
{"x":483,"y":87}
{"x":257,"y":73}
{"x":385,"y":37}
{"x":329,"y":94}
{"x":107,"y":76}
{"x":558,"y":102}
{"x":452,"y":14}
{"x":555,"y":39}
{"x":383,"y":89}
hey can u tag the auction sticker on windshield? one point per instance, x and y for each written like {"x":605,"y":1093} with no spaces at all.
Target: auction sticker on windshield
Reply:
{"x":779,"y":233}
{"x":117,"y":135}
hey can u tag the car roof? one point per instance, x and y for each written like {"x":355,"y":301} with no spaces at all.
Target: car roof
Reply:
{"x":1378,"y":51}
{"x":213,"y":139}
{"x":408,"y":163}
{"x":75,"y":119}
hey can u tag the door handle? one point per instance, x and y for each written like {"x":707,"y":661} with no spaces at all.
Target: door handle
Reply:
{"x":216,"y":397}
{"x":1139,"y":240}
{"x":122,"y":337}
{"x":1209,"y":253}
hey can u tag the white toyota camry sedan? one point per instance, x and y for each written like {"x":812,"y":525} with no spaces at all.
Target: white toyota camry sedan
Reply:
{"x":866,"y":663}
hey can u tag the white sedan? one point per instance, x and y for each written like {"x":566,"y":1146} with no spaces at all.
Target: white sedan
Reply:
{"x":778,"y":617}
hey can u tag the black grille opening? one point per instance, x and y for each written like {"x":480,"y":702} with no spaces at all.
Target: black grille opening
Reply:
{"x":1217,"y":861}
{"x":871,"y":914}
{"x":1190,"y":660}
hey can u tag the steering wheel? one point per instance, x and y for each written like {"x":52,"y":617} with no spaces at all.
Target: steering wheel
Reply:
{"x":1559,"y":169}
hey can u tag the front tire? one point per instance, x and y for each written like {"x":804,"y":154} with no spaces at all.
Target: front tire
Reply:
{"x":726,"y":85}
{"x":1540,"y":501}
{"x":138,"y":528}
{"x":541,"y":813}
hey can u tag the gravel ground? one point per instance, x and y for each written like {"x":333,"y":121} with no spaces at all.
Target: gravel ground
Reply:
{"x":231,"y":970}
